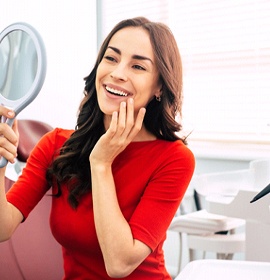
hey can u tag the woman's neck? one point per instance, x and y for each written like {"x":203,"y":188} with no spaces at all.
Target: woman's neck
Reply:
{"x":144,"y":135}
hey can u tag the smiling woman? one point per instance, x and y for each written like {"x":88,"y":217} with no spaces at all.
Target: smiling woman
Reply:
{"x":119,"y":177}
{"x":128,"y":68}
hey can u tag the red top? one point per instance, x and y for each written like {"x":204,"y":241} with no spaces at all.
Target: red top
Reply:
{"x":151,"y":178}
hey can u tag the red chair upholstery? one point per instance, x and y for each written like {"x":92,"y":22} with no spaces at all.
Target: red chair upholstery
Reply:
{"x":30,"y":132}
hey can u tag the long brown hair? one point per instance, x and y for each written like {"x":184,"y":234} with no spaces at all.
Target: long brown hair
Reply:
{"x":72,"y":165}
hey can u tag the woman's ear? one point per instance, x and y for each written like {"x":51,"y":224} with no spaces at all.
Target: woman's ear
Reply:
{"x":158,"y":98}
{"x":158,"y":93}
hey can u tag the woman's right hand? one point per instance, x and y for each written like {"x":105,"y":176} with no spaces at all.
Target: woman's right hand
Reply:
{"x":9,"y":136}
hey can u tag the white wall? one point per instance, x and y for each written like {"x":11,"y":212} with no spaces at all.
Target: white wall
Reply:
{"x":68,"y":29}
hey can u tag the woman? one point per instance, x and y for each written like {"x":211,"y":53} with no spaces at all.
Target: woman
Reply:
{"x":119,"y":178}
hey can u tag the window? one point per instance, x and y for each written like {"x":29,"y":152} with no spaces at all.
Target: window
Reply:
{"x":225,"y":49}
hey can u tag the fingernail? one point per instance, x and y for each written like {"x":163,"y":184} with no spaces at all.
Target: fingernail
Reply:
{"x":11,"y":113}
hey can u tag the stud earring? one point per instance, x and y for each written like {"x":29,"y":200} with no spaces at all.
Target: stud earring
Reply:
{"x":158,"y":98}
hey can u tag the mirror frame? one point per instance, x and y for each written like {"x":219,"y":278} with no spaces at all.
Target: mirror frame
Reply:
{"x":19,"y":104}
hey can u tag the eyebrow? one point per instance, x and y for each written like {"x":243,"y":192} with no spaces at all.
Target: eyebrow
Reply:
{"x":135,"y":56}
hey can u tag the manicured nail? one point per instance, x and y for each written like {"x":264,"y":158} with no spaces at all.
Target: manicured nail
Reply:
{"x":11,"y":113}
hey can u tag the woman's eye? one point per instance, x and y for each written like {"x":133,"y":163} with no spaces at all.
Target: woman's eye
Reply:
{"x":138,"y":67}
{"x":109,"y":58}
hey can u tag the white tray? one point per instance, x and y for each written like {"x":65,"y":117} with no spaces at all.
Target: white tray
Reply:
{"x":224,"y":270}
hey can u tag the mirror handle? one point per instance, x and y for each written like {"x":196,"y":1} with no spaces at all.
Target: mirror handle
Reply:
{"x":3,"y":161}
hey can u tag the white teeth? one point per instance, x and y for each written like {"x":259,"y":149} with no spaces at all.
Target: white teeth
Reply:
{"x":115,"y":91}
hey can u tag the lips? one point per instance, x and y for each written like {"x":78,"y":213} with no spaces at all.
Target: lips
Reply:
{"x":116,"y":91}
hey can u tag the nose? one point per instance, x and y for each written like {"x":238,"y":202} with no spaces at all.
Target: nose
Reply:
{"x":119,"y":73}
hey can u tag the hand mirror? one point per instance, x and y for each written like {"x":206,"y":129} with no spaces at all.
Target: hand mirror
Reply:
{"x":22,"y":68}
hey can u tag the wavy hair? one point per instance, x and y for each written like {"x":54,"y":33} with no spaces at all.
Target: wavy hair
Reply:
{"x":72,"y":165}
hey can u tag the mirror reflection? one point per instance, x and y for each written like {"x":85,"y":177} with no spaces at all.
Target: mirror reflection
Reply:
{"x":18,"y":64}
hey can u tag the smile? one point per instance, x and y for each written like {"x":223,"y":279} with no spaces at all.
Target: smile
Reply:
{"x":116,"y":91}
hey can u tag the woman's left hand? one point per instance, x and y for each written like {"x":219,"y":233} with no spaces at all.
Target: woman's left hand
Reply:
{"x":122,"y":130}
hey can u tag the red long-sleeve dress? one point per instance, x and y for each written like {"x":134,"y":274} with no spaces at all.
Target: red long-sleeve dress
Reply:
{"x":151,"y":178}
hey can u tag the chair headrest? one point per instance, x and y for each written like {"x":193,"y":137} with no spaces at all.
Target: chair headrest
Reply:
{"x":30,"y":133}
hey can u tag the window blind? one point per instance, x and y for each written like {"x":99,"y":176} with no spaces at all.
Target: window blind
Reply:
{"x":225,"y":49}
{"x":111,"y":12}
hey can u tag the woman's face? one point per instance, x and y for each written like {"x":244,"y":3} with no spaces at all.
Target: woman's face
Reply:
{"x":127,"y":70}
